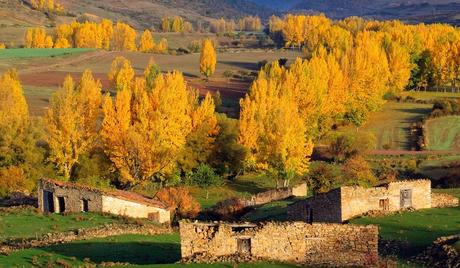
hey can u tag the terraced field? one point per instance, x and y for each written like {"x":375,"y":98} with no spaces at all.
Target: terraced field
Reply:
{"x":443,"y":133}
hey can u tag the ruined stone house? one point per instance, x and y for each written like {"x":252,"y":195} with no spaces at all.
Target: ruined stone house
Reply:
{"x":344,"y":203}
{"x":59,"y":197}
{"x":294,"y":242}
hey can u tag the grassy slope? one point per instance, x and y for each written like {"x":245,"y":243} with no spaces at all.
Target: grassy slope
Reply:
{"x":390,"y":126}
{"x":443,"y":133}
{"x":147,"y":251}
{"x":28,"y":223}
{"x":418,"y":228}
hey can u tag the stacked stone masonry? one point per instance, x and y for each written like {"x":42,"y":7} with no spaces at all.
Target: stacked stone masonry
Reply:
{"x":56,"y":196}
{"x":294,"y":242}
{"x":442,"y":200}
{"x":344,"y":203}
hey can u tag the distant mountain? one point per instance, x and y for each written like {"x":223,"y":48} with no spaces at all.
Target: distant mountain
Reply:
{"x":411,"y":10}
{"x":278,"y":5}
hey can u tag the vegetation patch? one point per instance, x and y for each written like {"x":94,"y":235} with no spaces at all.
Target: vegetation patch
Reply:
{"x":40,"y":52}
{"x":443,"y":133}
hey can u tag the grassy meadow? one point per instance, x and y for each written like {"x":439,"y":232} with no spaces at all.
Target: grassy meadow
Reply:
{"x":40,"y":52}
{"x":443,"y":133}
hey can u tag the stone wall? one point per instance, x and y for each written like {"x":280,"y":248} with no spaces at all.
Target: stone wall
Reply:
{"x":296,"y":242}
{"x":228,"y":208}
{"x":72,"y":197}
{"x":324,"y":207}
{"x":77,"y":198}
{"x":442,"y":200}
{"x":131,"y":209}
{"x":344,"y":203}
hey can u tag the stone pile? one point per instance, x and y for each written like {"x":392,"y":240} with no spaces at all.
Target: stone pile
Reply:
{"x":209,"y":259}
{"x":442,"y":253}
{"x":442,"y":200}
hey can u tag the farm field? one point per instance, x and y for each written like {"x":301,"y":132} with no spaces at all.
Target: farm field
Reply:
{"x":41,"y":78}
{"x":16,"y":53}
{"x":431,"y":95}
{"x":391,"y":125}
{"x":443,"y":133}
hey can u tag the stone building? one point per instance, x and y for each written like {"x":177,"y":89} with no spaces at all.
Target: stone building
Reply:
{"x":60,"y":197}
{"x":344,"y":203}
{"x":294,"y":242}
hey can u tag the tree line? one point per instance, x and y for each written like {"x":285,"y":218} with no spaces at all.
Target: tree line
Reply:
{"x":428,"y":54}
{"x":103,"y":35}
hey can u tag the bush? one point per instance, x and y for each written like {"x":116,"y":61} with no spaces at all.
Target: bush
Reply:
{"x":194,"y":46}
{"x":324,"y":177}
{"x":12,"y":179}
{"x":346,"y":145}
{"x":357,"y":171}
{"x":180,"y":201}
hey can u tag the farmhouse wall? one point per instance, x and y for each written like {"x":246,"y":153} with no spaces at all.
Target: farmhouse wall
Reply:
{"x":311,"y":244}
{"x":442,"y":200}
{"x":132,"y":209}
{"x":72,"y":196}
{"x":324,"y":207}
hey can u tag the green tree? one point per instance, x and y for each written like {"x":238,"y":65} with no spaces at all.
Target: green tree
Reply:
{"x":206,"y":177}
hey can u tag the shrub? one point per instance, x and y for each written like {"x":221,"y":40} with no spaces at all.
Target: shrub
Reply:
{"x":324,"y":177}
{"x":357,"y":171}
{"x":346,"y":145}
{"x":205,"y":177}
{"x":180,"y":201}
{"x":194,"y":46}
{"x":12,"y":179}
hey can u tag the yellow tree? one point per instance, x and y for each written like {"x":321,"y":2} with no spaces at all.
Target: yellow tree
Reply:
{"x":400,"y":67}
{"x":144,"y":131}
{"x":162,"y":46}
{"x":146,"y":44}
{"x":121,"y":73}
{"x":70,"y":122}
{"x":208,"y":58}
{"x":200,"y":141}
{"x":124,"y":37}
{"x":272,"y":128}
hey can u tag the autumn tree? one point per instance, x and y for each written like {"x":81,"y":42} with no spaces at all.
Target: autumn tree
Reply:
{"x":162,"y":46}
{"x":124,"y":37}
{"x":37,"y":38}
{"x":272,"y":128}
{"x":146,"y":44}
{"x":71,"y":121}
{"x":180,"y":201}
{"x":121,"y":74}
{"x":200,"y":141}
{"x":208,"y":59}
{"x":144,"y":131}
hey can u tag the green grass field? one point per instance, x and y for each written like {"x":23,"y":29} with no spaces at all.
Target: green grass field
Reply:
{"x":419,"y":228}
{"x":28,"y":223}
{"x":443,"y":133}
{"x":391,"y":125}
{"x":137,"y":250}
{"x":430,"y":95}
{"x":40,"y":52}
{"x":274,"y":211}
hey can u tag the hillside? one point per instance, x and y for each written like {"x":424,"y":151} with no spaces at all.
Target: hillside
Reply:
{"x":413,"y":10}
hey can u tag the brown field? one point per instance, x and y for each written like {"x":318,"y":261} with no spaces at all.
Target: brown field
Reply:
{"x":42,"y":76}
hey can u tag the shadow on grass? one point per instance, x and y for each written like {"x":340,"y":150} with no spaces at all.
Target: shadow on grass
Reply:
{"x":243,"y":65}
{"x":139,"y":253}
{"x":246,"y":186}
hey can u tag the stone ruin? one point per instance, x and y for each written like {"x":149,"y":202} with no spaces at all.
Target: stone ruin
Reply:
{"x":293,"y":242}
{"x":344,"y":203}
{"x":62,"y":197}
